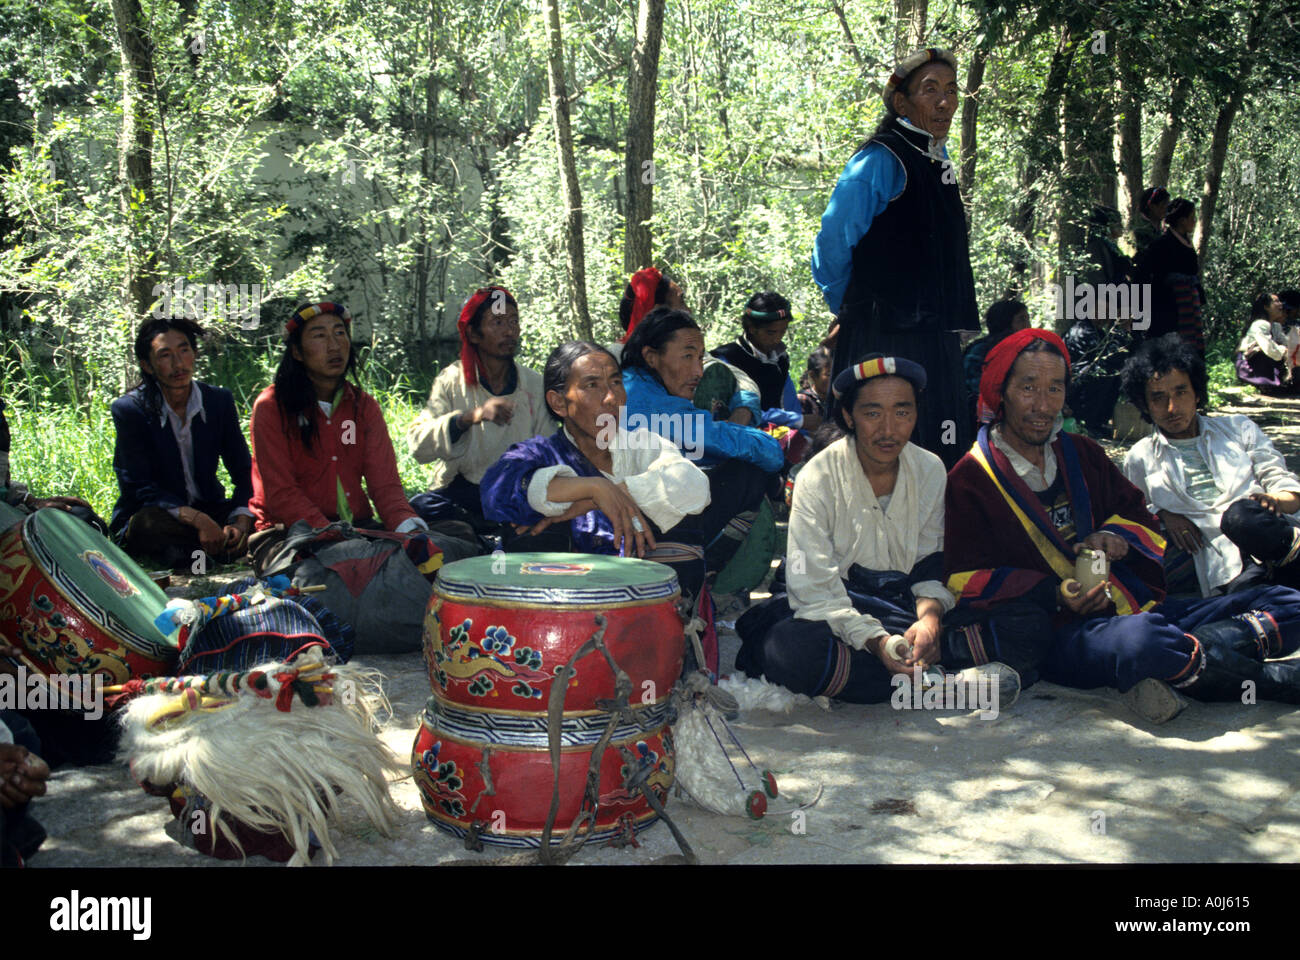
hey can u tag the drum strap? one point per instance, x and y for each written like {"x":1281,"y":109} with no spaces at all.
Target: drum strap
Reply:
{"x":620,"y":711}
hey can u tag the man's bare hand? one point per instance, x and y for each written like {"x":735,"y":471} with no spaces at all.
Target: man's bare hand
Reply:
{"x":1181,"y":531}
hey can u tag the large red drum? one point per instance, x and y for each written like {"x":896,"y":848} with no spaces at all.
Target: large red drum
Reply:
{"x":74,"y":603}
{"x":497,"y":631}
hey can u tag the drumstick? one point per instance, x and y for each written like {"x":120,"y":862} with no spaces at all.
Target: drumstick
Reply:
{"x":314,"y":588}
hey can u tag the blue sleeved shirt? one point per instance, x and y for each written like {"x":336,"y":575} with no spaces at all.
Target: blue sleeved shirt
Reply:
{"x":872,"y":178}
{"x":701,"y":438}
{"x":790,"y":413}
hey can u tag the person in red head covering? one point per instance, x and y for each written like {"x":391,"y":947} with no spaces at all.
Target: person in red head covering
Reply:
{"x":478,"y":406}
{"x":1062,"y":513}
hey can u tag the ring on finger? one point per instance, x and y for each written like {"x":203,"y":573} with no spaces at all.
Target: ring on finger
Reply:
{"x":637,"y":525}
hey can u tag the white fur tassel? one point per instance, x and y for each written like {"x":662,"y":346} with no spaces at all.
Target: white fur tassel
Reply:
{"x":273,"y":770}
{"x":703,"y":770}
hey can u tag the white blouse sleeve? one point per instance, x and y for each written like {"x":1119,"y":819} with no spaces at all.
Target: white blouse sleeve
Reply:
{"x":664,"y":484}
{"x":812,"y":577}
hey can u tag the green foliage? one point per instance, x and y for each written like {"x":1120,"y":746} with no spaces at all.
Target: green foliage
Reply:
{"x":397,"y":155}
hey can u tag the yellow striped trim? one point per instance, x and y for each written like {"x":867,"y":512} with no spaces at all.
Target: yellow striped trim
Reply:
{"x":1062,"y":567}
{"x":874,"y":368}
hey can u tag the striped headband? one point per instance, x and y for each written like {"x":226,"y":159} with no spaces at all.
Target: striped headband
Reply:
{"x":875,"y":365}
{"x":909,"y":65}
{"x":767,"y":314}
{"x":307,"y":311}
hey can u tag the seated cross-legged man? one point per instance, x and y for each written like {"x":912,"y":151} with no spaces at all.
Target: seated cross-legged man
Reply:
{"x":593,"y":488}
{"x":1027,"y":498}
{"x":1217,"y":483}
{"x":171,"y":432}
{"x":478,"y":406}
{"x":865,"y":555}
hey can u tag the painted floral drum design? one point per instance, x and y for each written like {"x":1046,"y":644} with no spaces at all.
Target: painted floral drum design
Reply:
{"x":73,"y":602}
{"x":497,"y":631}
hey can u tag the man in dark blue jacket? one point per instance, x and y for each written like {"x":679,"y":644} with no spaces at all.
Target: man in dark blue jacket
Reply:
{"x":171,"y":430}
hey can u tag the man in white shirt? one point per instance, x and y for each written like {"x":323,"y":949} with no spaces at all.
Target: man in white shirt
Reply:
{"x":478,"y":406}
{"x":1220,"y":488}
{"x":864,"y":561}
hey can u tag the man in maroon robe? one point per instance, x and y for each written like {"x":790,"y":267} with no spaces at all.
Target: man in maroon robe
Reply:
{"x":1024,"y":501}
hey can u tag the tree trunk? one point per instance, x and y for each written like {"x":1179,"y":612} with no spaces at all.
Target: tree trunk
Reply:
{"x":1222,"y":130}
{"x":643,"y":85}
{"x":135,"y":156}
{"x":573,"y":241}
{"x":1128,"y":138}
{"x":1043,"y":146}
{"x":1164,"y":157}
{"x":969,"y":118}
{"x":909,"y":26}
{"x":848,"y":36}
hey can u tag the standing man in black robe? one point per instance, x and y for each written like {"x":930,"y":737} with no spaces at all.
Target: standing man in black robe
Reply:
{"x":893,"y":259}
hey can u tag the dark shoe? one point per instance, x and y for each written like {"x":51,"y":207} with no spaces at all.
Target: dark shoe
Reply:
{"x":1227,"y":674}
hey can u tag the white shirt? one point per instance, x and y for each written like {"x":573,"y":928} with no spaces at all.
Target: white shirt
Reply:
{"x":1245,"y":462}
{"x":429,"y":437}
{"x":836,"y":520}
{"x":1035,"y":479}
{"x":1264,"y":337}
{"x":182,"y":430}
{"x":664,"y":484}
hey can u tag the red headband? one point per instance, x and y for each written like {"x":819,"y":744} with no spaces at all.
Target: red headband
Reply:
{"x":470,"y":363}
{"x":1000,"y":359}
{"x":644,"y":283}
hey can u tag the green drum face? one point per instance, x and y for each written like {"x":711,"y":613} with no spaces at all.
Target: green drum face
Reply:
{"x":76,"y":603}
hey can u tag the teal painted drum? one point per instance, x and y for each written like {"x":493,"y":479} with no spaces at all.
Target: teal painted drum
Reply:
{"x":74,"y":602}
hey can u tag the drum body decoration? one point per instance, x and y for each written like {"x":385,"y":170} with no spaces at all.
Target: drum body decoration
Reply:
{"x":75,"y":603}
{"x":497,"y":631}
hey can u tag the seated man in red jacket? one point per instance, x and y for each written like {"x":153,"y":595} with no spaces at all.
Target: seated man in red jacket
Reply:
{"x":1045,"y":495}
{"x":316,"y":436}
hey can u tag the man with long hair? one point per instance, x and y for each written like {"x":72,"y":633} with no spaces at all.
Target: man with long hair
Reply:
{"x":321,"y":450}
{"x":171,"y":432}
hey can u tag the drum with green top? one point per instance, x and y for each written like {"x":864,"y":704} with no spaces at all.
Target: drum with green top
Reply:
{"x":498,"y":632}
{"x":75,"y":603}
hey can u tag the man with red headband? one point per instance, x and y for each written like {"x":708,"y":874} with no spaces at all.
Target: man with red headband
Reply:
{"x":478,"y":407}
{"x":1027,"y":499}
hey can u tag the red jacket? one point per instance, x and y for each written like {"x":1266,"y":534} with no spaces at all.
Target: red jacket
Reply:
{"x":293,"y":483}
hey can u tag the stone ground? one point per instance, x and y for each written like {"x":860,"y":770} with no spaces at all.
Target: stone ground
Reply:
{"x":1062,"y":776}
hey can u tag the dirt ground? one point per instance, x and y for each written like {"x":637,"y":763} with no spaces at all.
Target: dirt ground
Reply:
{"x":1062,"y":776}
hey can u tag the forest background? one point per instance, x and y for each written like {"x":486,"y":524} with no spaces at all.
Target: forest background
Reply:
{"x":396,"y":155}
